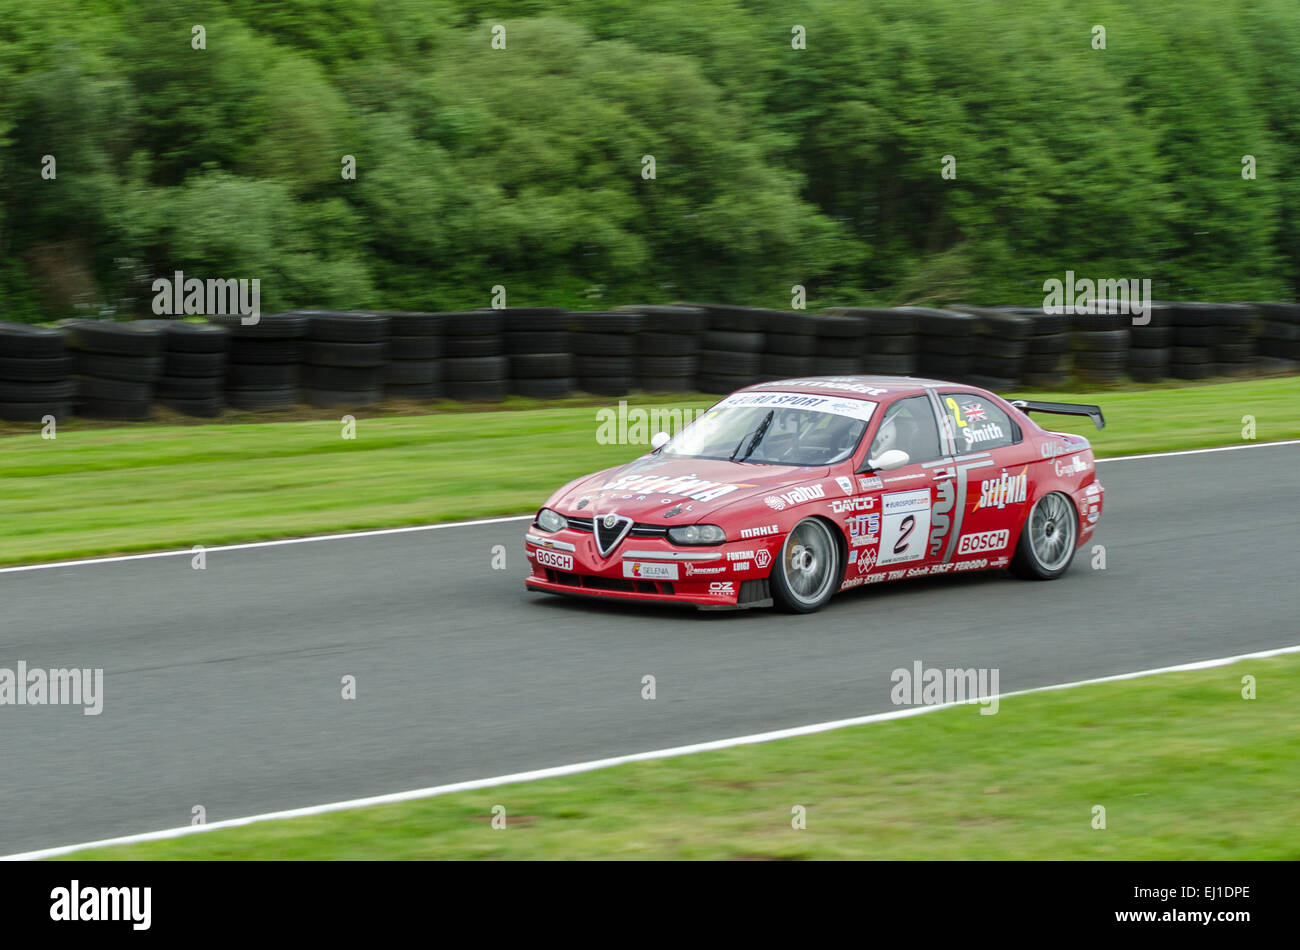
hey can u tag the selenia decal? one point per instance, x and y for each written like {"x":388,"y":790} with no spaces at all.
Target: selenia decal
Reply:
{"x":688,"y":486}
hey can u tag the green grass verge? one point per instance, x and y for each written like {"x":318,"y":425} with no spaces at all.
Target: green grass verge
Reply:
{"x":96,"y":490}
{"x":1183,"y":765}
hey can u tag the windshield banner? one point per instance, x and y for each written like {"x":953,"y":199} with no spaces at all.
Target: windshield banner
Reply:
{"x":852,"y":408}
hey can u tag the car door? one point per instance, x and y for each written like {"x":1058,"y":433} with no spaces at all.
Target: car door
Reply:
{"x":992,"y":475}
{"x":896,"y":537}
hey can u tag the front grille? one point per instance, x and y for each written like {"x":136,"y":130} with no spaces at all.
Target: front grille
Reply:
{"x":638,"y":530}
{"x":592,"y":582}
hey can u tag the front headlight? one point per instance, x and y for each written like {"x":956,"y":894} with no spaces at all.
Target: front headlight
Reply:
{"x":697,"y":534}
{"x":549,"y":520}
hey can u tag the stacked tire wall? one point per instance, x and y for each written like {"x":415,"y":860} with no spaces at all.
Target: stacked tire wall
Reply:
{"x":414,"y":367}
{"x":116,"y":365}
{"x":35,"y":374}
{"x":344,"y":357}
{"x":354,"y":359}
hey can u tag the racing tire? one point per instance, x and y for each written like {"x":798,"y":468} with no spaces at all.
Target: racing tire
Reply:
{"x":808,"y":569}
{"x":1048,"y":539}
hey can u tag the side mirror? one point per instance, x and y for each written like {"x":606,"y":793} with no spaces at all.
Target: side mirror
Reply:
{"x":888,"y":461}
{"x":659,"y":440}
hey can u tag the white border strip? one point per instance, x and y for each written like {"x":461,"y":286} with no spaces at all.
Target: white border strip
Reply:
{"x":262,"y":544}
{"x":376,"y":532}
{"x":1221,"y":448}
{"x":562,"y":770}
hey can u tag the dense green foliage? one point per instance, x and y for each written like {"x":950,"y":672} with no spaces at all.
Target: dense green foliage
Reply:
{"x":522,"y":166}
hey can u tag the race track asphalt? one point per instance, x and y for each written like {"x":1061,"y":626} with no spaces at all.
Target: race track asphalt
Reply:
{"x":222,"y":686}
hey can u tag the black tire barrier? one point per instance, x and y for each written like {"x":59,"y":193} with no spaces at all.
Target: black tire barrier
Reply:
{"x":138,"y":338}
{"x":352,"y":358}
{"x":343,"y":399}
{"x":541,"y":366}
{"x":257,"y":400}
{"x":537,"y":341}
{"x":269,"y":326}
{"x":24,"y":341}
{"x":136,"y":368}
{"x":545,"y":387}
{"x":342,"y":326}
{"x":417,"y":392}
{"x":602,"y":344}
{"x":670,"y":319}
{"x":344,"y":358}
{"x":36,"y":368}
{"x":400,"y":373}
{"x":191,"y":378}
{"x":478,"y":390}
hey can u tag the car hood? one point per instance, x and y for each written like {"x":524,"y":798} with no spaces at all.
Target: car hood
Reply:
{"x":660,"y":489}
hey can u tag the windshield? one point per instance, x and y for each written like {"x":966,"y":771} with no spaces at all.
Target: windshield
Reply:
{"x":775,"y":429}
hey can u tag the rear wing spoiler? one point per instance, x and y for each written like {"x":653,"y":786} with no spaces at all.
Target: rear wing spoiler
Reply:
{"x":1063,"y":409}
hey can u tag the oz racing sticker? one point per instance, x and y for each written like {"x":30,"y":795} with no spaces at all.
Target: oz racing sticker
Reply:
{"x":905,"y":526}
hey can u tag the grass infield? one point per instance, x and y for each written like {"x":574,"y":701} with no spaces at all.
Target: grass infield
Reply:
{"x":98,"y":490}
{"x":1182,"y":763}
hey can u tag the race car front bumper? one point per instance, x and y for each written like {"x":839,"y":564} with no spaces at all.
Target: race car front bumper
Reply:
{"x":730,"y":575}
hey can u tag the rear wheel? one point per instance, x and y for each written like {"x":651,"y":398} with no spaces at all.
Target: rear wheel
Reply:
{"x":1048,"y":539}
{"x":808,"y":570}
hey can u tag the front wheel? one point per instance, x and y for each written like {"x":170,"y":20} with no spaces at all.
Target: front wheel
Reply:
{"x":808,"y":570}
{"x":1047,"y":541}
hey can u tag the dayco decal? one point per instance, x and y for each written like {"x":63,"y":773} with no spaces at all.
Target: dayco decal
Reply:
{"x":1003,"y":490}
{"x":864,"y":503}
{"x":650,"y":570}
{"x":689,"y":486}
{"x":983,"y":541}
{"x":563,"y":562}
{"x":796,"y":497}
{"x":939,"y":520}
{"x":759,"y":531}
{"x":1076,"y":466}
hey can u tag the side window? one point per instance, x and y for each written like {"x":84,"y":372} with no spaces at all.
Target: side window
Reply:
{"x":977,"y":423}
{"x":908,"y":424}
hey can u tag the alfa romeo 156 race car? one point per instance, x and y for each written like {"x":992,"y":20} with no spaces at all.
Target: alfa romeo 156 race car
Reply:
{"x":789,"y":491}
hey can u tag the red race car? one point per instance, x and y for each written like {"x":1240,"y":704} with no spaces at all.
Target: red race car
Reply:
{"x":789,"y":491}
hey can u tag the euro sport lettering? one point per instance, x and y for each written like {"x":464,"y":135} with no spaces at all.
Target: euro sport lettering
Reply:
{"x":1004,"y":490}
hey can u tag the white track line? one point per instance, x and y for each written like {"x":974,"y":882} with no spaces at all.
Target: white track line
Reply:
{"x":591,"y":766}
{"x":48,"y":565}
{"x":261,"y":544}
{"x":1222,"y":448}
